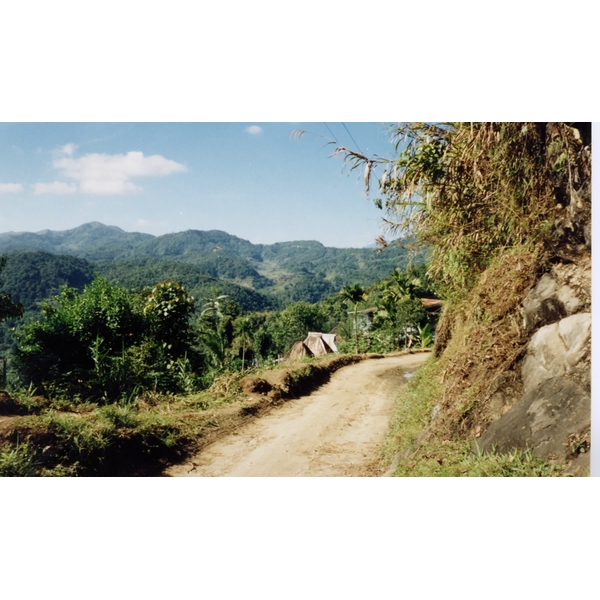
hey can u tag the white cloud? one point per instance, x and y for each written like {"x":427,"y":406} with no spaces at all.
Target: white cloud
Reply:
{"x":142,"y":223}
{"x":67,"y":149}
{"x":56,"y":187}
{"x":11,"y":188}
{"x":111,"y":173}
{"x":254,"y":130}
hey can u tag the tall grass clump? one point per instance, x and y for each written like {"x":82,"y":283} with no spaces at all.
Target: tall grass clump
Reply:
{"x":17,"y":460}
{"x":413,"y":412}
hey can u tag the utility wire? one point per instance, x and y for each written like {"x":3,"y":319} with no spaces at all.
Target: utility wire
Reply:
{"x":331,"y":132}
{"x":357,"y":146}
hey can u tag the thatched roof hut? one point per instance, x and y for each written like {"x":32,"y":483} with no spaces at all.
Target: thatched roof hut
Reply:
{"x":432,"y":305}
{"x":329,"y":339}
{"x":315,"y":344}
{"x":299,"y":350}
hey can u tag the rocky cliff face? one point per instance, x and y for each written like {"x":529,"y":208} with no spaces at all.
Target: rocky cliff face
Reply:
{"x":544,"y":402}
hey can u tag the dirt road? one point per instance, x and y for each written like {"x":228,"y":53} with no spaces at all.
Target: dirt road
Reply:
{"x":337,"y":430}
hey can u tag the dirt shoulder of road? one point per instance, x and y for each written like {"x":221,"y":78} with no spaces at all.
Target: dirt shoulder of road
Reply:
{"x":146,"y":439}
{"x":298,"y":379}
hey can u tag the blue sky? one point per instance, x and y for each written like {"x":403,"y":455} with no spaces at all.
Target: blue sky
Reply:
{"x":249,"y":179}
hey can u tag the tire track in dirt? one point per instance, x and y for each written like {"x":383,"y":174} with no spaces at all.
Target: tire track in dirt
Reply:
{"x":338,"y":430}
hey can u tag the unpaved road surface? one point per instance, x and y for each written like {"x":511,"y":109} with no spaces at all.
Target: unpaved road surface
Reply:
{"x":338,"y":430}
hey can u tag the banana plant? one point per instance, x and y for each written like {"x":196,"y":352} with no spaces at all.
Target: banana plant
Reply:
{"x":425,"y":336}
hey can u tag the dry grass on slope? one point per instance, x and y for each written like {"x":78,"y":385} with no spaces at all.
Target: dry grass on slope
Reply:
{"x":472,"y":380}
{"x":487,"y":340}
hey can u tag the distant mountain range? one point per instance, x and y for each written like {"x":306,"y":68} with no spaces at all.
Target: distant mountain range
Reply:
{"x":273,"y":274}
{"x":96,"y":241}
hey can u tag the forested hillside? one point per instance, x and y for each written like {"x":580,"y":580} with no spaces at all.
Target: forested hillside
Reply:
{"x":207,"y":264}
{"x":285,"y":272}
{"x":93,"y":241}
{"x":139,"y":273}
{"x":33,"y":276}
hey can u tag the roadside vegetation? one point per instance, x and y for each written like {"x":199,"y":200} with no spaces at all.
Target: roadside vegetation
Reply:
{"x":141,"y":436}
{"x":490,"y":201}
{"x":118,"y":438}
{"x":414,"y":448}
{"x":107,"y":381}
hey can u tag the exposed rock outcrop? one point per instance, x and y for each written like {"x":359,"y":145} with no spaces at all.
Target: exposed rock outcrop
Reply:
{"x":559,"y":350}
{"x":554,"y":413}
{"x":544,"y":420}
{"x":562,"y":292}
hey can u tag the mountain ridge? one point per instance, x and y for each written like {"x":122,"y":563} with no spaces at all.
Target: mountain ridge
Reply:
{"x":97,"y":225}
{"x":287,"y":271}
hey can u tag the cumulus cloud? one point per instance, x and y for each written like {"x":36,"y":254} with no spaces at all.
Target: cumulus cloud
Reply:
{"x":56,"y":187}
{"x":11,"y":188}
{"x":111,"y":173}
{"x":254,"y":130}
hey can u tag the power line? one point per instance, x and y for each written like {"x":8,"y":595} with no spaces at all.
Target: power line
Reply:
{"x":331,"y":132}
{"x":357,"y":146}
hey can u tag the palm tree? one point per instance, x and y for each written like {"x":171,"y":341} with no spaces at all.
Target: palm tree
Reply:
{"x":244,"y":337}
{"x":354,"y":294}
{"x":214,"y":304}
{"x":400,"y":287}
{"x":211,"y":316}
{"x":212,"y":343}
{"x":406,"y":283}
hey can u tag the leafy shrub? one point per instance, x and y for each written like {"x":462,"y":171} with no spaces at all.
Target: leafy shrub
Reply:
{"x":167,"y":309}
{"x":105,"y":343}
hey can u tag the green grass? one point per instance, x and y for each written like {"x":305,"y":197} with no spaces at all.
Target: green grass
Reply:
{"x":434,"y":457}
{"x":413,"y":409}
{"x":455,"y":459}
{"x":114,"y":439}
{"x":80,"y":437}
{"x":271,"y":270}
{"x":17,"y":460}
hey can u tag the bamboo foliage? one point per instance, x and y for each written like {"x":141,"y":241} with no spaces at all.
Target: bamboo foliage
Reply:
{"x":470,"y":191}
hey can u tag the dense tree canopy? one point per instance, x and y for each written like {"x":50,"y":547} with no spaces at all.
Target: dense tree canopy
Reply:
{"x":8,"y":308}
{"x":33,"y":276}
